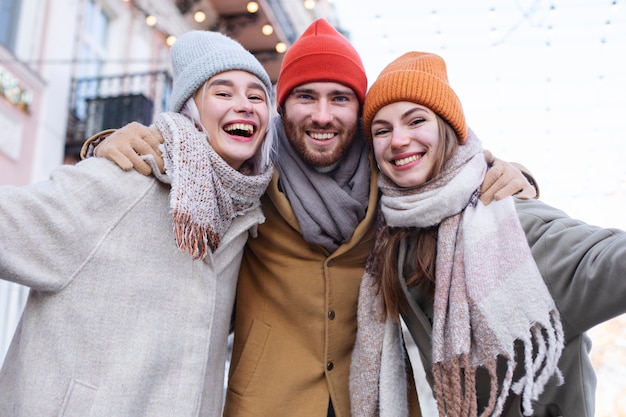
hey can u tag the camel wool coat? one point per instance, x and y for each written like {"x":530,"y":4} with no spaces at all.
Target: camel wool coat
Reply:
{"x":119,"y":321}
{"x":295,"y":322}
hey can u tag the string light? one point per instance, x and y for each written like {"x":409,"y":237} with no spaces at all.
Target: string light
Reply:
{"x":199,"y":16}
{"x":267,"y":29}
{"x":151,"y":20}
{"x":281,"y":47}
{"x":252,"y":7}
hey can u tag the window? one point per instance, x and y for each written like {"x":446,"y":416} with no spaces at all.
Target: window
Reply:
{"x":9,"y":14}
{"x":92,"y":50}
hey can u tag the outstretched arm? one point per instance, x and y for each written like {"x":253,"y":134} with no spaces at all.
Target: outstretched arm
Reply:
{"x":126,"y":146}
{"x":504,"y":179}
{"x":583,"y":265}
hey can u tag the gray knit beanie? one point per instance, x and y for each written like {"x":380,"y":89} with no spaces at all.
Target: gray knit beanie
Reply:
{"x":199,"y":55}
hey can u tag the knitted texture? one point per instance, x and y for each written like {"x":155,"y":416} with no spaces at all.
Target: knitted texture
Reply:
{"x":328,"y":206}
{"x":366,"y":356}
{"x":420,"y":78}
{"x":206,"y":193}
{"x":199,"y":55}
{"x":489,"y":293}
{"x":378,"y":385}
{"x":321,"y":53}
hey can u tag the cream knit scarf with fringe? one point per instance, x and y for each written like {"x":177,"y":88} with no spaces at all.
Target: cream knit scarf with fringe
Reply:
{"x":207,"y":193}
{"x":489,"y":294}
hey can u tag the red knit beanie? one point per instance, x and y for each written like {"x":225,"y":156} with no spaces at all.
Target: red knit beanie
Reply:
{"x":421,"y":78}
{"x":321,"y":54}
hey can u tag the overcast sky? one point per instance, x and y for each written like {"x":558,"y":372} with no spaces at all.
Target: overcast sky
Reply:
{"x":542,"y":83}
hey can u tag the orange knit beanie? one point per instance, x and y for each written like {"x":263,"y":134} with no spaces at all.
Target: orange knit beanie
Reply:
{"x":321,"y":54}
{"x":420,"y":78}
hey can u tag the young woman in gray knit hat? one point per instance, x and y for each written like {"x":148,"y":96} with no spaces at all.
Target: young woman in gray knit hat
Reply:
{"x":132,"y":278}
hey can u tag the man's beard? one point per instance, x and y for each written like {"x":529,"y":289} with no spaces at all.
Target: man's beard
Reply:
{"x":296,"y":134}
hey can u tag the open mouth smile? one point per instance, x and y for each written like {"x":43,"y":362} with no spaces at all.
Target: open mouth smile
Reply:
{"x":407,"y":160}
{"x":321,"y":136}
{"x":240,"y":129}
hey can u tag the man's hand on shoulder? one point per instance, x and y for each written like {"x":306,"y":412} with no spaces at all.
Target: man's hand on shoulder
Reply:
{"x":127,"y":145}
{"x":504,"y":179}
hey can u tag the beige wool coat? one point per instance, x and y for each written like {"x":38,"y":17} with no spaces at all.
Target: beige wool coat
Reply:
{"x":119,"y":321}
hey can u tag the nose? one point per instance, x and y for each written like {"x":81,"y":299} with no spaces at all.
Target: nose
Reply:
{"x":399,"y":139}
{"x":322,"y":115}
{"x":245,"y":106}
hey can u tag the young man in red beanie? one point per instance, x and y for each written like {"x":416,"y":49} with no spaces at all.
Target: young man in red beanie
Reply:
{"x":299,"y":281}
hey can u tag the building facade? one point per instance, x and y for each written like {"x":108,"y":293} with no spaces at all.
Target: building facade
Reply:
{"x":70,"y":68}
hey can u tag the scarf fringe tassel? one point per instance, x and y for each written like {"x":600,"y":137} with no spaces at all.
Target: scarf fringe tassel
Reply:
{"x":455,"y":380}
{"x":192,"y":237}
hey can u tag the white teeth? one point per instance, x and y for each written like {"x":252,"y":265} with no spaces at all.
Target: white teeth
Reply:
{"x":404,"y":161}
{"x":239,"y":126}
{"x":322,"y":136}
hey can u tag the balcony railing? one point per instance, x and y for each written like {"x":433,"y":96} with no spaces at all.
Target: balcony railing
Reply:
{"x":111,"y":102}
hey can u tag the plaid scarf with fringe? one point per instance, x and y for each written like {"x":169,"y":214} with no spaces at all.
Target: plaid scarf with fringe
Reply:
{"x":207,"y":193}
{"x":489,"y":293}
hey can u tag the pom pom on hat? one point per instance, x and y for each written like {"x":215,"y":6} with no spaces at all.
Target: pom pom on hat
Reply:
{"x":321,"y":53}
{"x":420,"y":78}
{"x":199,"y":55}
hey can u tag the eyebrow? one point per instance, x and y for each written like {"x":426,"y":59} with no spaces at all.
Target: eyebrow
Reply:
{"x":405,"y":114}
{"x":346,"y":92}
{"x":230,"y":83}
{"x":221,"y":81}
{"x":411,"y":111}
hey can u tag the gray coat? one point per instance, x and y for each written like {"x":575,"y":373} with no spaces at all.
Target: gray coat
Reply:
{"x":119,"y":321}
{"x":584,"y":268}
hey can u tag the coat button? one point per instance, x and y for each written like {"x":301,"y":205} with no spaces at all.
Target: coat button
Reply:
{"x":330,"y":366}
{"x":331,"y":314}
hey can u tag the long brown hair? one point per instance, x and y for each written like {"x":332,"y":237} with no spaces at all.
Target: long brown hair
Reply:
{"x":424,"y":252}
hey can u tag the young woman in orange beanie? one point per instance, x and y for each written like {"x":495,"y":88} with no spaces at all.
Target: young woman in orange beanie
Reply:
{"x":491,"y":295}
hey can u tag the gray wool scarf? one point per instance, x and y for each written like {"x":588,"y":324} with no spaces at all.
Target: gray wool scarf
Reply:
{"x":328,"y":206}
{"x":489,"y":294}
{"x":206,"y":193}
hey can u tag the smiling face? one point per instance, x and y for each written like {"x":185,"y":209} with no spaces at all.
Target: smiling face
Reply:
{"x":406,"y":139}
{"x":234,"y":110}
{"x":321,"y":121}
